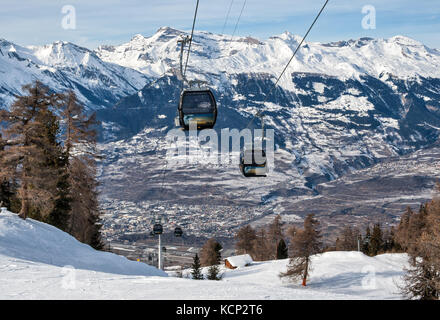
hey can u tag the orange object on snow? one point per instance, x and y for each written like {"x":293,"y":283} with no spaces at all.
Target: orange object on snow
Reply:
{"x":304,"y":282}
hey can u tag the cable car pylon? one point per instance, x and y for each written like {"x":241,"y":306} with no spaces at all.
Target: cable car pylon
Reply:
{"x":158,"y":230}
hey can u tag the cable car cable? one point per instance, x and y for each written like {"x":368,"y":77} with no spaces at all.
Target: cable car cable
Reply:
{"x":190,"y":39}
{"x":227,"y":16}
{"x":238,"y":20}
{"x":285,"y":68}
{"x":186,"y":64}
{"x":260,"y":170}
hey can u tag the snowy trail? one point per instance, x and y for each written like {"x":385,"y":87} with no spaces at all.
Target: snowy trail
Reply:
{"x":260,"y":281}
{"x":38,"y":261}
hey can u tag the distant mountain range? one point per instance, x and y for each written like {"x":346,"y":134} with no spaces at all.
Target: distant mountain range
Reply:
{"x":341,"y":107}
{"x":62,"y":66}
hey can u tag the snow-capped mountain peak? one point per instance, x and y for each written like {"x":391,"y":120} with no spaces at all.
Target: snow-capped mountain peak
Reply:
{"x":288,"y":37}
{"x":65,"y":54}
{"x":137,"y":37}
{"x":63,"y":65}
{"x":215,"y":54}
{"x":405,"y":41}
{"x":339,"y":107}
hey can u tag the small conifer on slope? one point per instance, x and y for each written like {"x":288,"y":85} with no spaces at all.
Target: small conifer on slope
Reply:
{"x":304,"y":244}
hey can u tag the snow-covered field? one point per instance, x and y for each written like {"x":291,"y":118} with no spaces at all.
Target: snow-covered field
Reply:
{"x":38,"y":261}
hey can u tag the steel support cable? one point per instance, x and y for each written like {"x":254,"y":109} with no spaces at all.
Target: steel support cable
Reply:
{"x":184,"y":72}
{"x":259,"y":113}
{"x":276,"y":83}
{"x":190,"y":39}
{"x":186,"y":64}
{"x":227,"y":16}
{"x":163,"y":170}
{"x":236,"y":25}
{"x":238,"y":20}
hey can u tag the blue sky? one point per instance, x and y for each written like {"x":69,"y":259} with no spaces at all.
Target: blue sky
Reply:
{"x":116,"y":21}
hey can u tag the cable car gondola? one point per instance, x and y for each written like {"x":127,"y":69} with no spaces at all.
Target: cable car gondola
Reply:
{"x":253,"y":162}
{"x":157,"y":228}
{"x":178,"y":232}
{"x":197,"y":105}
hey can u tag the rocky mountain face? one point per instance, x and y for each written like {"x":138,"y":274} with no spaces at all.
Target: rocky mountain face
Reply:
{"x":342,"y":109}
{"x":63,"y":66}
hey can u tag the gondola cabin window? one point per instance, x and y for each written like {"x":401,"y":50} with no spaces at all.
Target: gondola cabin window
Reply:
{"x":197,"y":102}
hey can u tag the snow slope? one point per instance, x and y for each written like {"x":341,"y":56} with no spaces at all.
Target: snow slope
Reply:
{"x":33,"y":259}
{"x":37,"y":243}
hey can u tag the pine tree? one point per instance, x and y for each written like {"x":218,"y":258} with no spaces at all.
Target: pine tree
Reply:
{"x":338,"y":244}
{"x":422,"y":278}
{"x":84,"y":224}
{"x":196,"y":271}
{"x":51,"y":170}
{"x":61,"y":212}
{"x":366,"y":241}
{"x":349,"y":238}
{"x":420,"y":281}
{"x":60,"y":215}
{"x":303,"y":245}
{"x":3,"y":142}
{"x":282,"y":251}
{"x":244,"y":240}
{"x":79,"y":140}
{"x":431,"y":238}
{"x":274,"y":235}
{"x":402,"y":229}
{"x":291,"y":231}
{"x":7,"y":193}
{"x":388,"y":240}
{"x":214,"y":273}
{"x":31,"y":149}
{"x":210,"y":254}
{"x":416,"y":226}
{"x":262,"y":248}
{"x":376,"y":241}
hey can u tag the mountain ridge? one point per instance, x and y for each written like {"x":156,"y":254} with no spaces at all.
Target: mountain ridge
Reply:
{"x":63,"y":66}
{"x":341,"y":107}
{"x":327,"y":125}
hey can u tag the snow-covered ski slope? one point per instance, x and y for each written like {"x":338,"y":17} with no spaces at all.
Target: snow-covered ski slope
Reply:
{"x":38,"y":261}
{"x":42,"y":244}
